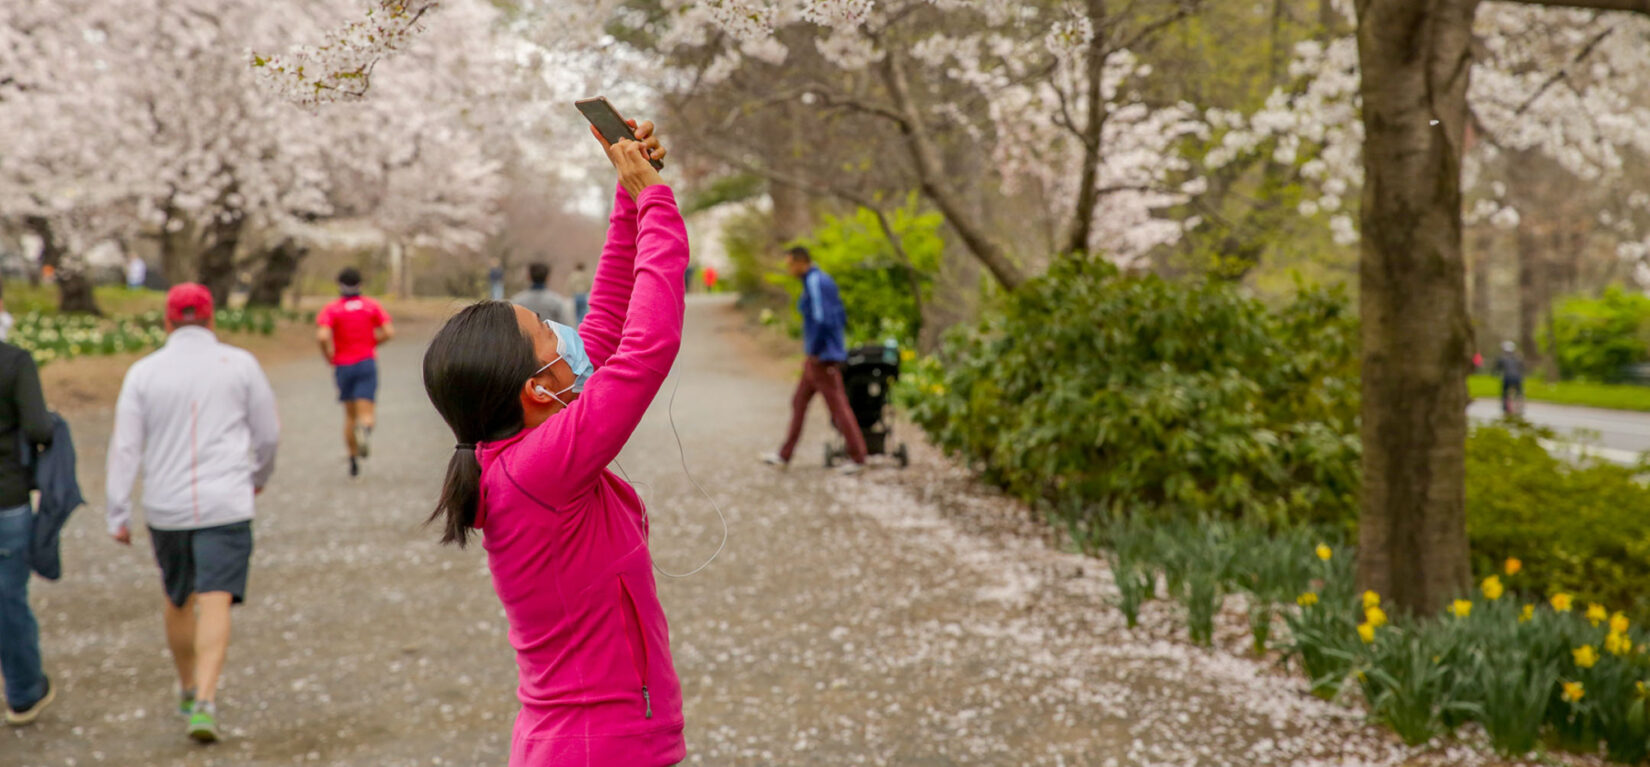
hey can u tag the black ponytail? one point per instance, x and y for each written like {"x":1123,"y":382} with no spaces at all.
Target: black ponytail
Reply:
{"x":473,"y":374}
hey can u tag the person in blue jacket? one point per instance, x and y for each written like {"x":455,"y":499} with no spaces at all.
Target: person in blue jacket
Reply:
{"x":824,"y":321}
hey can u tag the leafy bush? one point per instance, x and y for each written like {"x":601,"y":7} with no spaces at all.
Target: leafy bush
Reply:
{"x":1580,"y":524}
{"x":1598,"y":338}
{"x":1101,"y":395}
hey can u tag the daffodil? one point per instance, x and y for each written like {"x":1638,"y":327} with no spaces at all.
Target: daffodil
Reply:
{"x":1371,"y":599}
{"x":1619,"y":623}
{"x":1573,"y":691}
{"x":1307,"y":599}
{"x":1366,"y":632}
{"x":1527,"y":614}
{"x":1375,"y":616}
{"x":1324,"y":552}
{"x":1563,"y":602}
{"x":1492,"y":588}
{"x":1585,"y":656}
{"x":1639,"y":685}
{"x":1617,"y":644}
{"x":1596,"y":614}
{"x":1461,"y":609}
{"x":1513,"y":566}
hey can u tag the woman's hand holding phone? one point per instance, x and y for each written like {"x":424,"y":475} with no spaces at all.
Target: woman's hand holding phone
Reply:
{"x":632,"y":158}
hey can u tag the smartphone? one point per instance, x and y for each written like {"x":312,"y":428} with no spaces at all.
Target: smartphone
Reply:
{"x":601,"y":114}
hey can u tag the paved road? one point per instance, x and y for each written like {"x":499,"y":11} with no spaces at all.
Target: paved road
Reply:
{"x":898,"y":618}
{"x":1618,"y":435}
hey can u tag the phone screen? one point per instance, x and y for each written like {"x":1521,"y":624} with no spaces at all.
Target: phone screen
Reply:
{"x":601,"y":114}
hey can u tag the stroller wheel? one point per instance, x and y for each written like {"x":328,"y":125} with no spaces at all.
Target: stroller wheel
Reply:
{"x":830,"y":455}
{"x":903,"y":455}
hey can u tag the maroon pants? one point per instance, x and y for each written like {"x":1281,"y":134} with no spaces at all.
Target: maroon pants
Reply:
{"x":824,"y":378}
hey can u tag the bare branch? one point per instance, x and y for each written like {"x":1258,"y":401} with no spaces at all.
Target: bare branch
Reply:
{"x":1564,"y":72}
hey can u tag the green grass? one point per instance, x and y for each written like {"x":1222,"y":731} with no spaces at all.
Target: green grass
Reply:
{"x":115,"y":300}
{"x":1610,"y":396}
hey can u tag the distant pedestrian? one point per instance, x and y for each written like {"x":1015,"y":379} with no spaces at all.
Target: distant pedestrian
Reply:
{"x":495,"y":280}
{"x":538,"y":297}
{"x":137,"y":273}
{"x":24,"y":420}
{"x":579,"y":284}
{"x":824,"y":326}
{"x":199,"y":418}
{"x":1510,"y":366}
{"x":350,"y":330}
{"x":710,"y":279}
{"x":7,"y":322}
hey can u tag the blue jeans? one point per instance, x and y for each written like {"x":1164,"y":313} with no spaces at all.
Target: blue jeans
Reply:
{"x":581,"y":306}
{"x":19,"y":634}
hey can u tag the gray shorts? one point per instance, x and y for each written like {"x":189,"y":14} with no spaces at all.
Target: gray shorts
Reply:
{"x":204,"y":560}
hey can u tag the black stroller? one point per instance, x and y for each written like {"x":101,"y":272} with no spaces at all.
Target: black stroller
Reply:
{"x":868,"y":375}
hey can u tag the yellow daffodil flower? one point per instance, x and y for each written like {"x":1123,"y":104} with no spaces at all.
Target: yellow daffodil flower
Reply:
{"x":1308,"y":599}
{"x":1513,"y":566}
{"x":1492,"y":588}
{"x":1619,"y":623}
{"x":1573,"y":691}
{"x":1324,"y":552}
{"x":1585,"y":656}
{"x":1371,"y":599}
{"x":1563,"y":602}
{"x":1375,"y":616}
{"x":1461,"y":609}
{"x":1366,"y":632}
{"x":1596,"y":614}
{"x":1527,"y":614}
{"x":1618,"y":645}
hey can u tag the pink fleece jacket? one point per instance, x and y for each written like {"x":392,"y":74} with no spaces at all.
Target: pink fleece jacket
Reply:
{"x":566,"y":539}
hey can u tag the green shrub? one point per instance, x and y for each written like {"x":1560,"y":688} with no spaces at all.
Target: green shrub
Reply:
{"x":1101,"y":394}
{"x":1598,"y":338}
{"x":1581,"y":525}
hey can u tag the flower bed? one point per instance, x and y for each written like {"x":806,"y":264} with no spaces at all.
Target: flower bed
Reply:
{"x":53,"y":337}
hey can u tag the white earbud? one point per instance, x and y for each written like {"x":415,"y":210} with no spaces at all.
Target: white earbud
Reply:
{"x":542,"y":392}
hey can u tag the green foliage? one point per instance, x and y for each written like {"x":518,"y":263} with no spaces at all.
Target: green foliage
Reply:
{"x":1583,"y":393}
{"x":1580,"y":524}
{"x":1598,"y":338}
{"x":52,"y":337}
{"x":1102,"y":395}
{"x":882,"y":292}
{"x":748,"y":238}
{"x":737,"y":187}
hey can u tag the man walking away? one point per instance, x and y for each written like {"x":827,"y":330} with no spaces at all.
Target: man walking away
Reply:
{"x":541,"y":300}
{"x":350,"y":330}
{"x":579,"y":284}
{"x":199,"y":417}
{"x":824,"y":321}
{"x":1511,"y":367}
{"x":23,"y":422}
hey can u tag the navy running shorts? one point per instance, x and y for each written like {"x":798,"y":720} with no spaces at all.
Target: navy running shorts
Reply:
{"x":358,"y":381}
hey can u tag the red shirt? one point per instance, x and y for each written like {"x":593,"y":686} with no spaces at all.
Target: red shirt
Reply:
{"x":353,"y":320}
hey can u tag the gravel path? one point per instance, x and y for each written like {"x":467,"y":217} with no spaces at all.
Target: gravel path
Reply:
{"x":900,"y":618}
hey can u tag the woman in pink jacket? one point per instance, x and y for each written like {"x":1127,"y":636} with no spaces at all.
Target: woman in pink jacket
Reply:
{"x":540,"y":410}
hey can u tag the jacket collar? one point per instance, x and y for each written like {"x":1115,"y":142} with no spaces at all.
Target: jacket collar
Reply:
{"x":191,"y":334}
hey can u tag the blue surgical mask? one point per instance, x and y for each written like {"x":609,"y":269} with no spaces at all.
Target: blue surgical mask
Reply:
{"x":569,"y":348}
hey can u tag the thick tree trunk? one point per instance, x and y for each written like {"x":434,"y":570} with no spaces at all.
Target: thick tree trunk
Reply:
{"x":1532,"y":288}
{"x":217,"y":260}
{"x":177,"y":247}
{"x":280,"y":265}
{"x":74,"y":286}
{"x":1415,"y":55}
{"x":792,"y":213}
{"x":1482,"y":307}
{"x":1094,"y":124}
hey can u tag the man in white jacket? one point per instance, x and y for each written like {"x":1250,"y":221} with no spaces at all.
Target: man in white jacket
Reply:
{"x":199,"y":417}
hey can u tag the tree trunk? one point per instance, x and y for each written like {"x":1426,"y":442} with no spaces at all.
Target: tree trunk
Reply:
{"x":1415,"y":56}
{"x":74,"y":287}
{"x":792,"y":213}
{"x":1094,"y":124}
{"x":280,"y":265}
{"x":217,"y":261}
{"x":177,"y":247}
{"x":1482,"y":307}
{"x":1532,"y":292}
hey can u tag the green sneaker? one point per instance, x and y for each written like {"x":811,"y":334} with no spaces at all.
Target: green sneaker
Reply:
{"x":363,"y":441}
{"x":186,"y":703}
{"x":203,"y":723}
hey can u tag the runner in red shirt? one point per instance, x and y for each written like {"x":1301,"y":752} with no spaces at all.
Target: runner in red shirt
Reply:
{"x":350,"y":331}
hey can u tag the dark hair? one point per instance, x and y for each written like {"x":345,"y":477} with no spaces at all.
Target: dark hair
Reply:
{"x":797,"y":251}
{"x":473,"y":373}
{"x":538,"y":272}
{"x":350,"y":277}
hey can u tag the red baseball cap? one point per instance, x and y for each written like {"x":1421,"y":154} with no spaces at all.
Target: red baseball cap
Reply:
{"x":188,"y":301}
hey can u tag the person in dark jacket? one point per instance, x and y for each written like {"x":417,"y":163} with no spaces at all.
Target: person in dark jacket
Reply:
{"x":824,"y":323}
{"x":24,"y":421}
{"x":1511,"y":367}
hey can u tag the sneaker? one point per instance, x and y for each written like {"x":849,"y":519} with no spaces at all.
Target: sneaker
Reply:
{"x":850,"y":468}
{"x":354,"y":468}
{"x":203,"y":723}
{"x":186,"y":703}
{"x":774,"y":459}
{"x":18,"y":718}
{"x":363,"y":441}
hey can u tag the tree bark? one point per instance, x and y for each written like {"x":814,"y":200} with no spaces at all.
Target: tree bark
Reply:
{"x":74,"y":287}
{"x":280,"y":265}
{"x":217,"y":261}
{"x":1533,"y":295}
{"x":1094,"y":124}
{"x":1415,"y":57}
